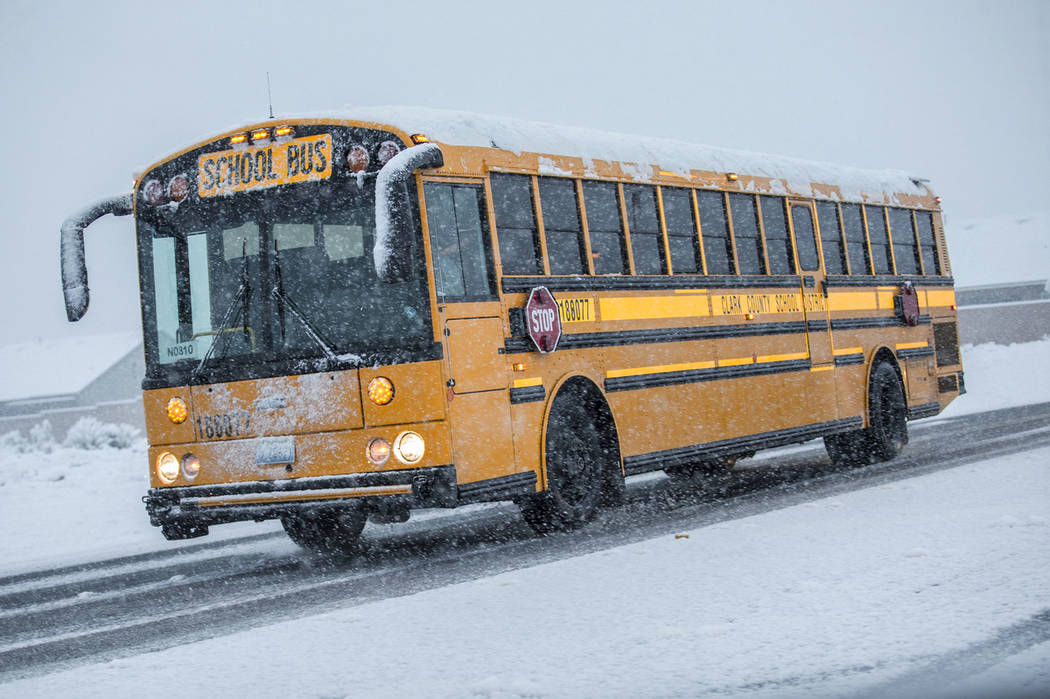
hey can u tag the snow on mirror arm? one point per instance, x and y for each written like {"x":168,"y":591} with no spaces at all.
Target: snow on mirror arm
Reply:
{"x":393,"y":228}
{"x":74,"y":268}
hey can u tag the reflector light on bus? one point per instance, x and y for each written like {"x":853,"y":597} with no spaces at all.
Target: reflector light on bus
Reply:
{"x":937,"y":199}
{"x":239,"y":140}
{"x":357,"y":159}
{"x":283,"y":132}
{"x":418,"y":138}
{"x":260,"y":135}
{"x":153,"y":192}
{"x":178,"y":187}
{"x":732,"y":176}
{"x":387,"y":150}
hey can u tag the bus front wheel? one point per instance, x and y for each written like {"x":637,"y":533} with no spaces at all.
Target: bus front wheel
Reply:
{"x":582,"y":458}
{"x":329,"y":531}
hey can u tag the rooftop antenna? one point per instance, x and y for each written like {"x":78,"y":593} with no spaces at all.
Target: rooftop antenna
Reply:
{"x":269,"y":94}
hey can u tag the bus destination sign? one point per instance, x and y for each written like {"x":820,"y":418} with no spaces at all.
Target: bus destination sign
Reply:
{"x":256,"y":167}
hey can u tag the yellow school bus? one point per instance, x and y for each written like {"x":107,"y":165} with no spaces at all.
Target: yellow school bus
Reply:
{"x":348,"y":318}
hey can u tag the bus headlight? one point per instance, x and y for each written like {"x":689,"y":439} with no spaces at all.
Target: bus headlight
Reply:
{"x":177,"y":411}
{"x":378,"y":451}
{"x":408,"y":447}
{"x":191,"y":466}
{"x":380,"y":390}
{"x":167,"y":467}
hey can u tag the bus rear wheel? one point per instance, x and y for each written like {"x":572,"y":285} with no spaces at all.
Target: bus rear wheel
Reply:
{"x":888,"y":414}
{"x":583,"y":462}
{"x":887,"y":430}
{"x":329,"y":531}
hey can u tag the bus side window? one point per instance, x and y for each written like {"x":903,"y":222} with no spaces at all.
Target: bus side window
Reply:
{"x":905,"y":253}
{"x":457,"y":241}
{"x":859,"y":262}
{"x":519,"y":242}
{"x":715,"y":231}
{"x":931,"y":264}
{"x":778,"y":242}
{"x":831,"y":237}
{"x":745,"y":232}
{"x":644,"y":225}
{"x":805,"y":240}
{"x":878,"y":238}
{"x":681,"y":230}
{"x":605,"y":226}
{"x":561,"y":226}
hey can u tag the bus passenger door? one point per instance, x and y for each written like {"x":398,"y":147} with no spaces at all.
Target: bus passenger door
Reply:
{"x":815,"y":309}
{"x":472,"y":329}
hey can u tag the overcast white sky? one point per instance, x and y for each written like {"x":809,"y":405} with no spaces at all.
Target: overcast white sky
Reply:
{"x":958,"y":92}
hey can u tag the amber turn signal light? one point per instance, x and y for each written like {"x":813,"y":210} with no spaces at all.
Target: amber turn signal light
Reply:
{"x":177,"y":410}
{"x":380,"y":390}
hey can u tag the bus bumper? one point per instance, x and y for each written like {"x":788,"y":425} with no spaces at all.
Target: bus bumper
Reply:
{"x":187,"y":511}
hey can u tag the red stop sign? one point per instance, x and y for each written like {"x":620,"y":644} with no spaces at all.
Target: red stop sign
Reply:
{"x":541,"y":318}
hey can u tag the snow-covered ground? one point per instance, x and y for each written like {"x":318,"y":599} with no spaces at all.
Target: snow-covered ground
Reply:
{"x":840,"y":595}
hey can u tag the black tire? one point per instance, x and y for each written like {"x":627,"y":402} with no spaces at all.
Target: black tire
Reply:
{"x":583,"y":464}
{"x":329,"y":532}
{"x":887,"y":414}
{"x":848,"y":448}
{"x":887,"y":430}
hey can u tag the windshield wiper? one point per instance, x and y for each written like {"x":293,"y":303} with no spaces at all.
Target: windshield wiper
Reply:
{"x":243,"y":295}
{"x":283,"y":300}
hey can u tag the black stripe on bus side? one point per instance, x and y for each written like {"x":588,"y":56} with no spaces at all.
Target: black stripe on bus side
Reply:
{"x":527,"y":394}
{"x":925,"y":410}
{"x":512,"y":285}
{"x":502,"y":488}
{"x":834,"y":280}
{"x":876,"y":322}
{"x":915,"y":353}
{"x":672,"y":378}
{"x":690,"y":454}
{"x":650,"y":336}
{"x":849,"y":359}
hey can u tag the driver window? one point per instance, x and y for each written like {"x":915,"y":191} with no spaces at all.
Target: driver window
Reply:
{"x":458,"y":236}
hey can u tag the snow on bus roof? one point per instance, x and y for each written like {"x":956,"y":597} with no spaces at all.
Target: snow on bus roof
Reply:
{"x":636,"y":154}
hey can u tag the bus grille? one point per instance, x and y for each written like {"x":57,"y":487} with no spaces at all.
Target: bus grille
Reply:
{"x":946,"y":341}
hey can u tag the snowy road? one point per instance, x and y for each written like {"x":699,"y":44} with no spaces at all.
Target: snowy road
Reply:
{"x":120,"y":607}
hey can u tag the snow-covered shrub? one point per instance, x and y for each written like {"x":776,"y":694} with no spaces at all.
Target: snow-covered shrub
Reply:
{"x":42,"y":437}
{"x":13,"y":441}
{"x":91,"y":433}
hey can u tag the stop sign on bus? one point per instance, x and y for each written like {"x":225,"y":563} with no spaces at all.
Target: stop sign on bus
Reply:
{"x":541,"y":317}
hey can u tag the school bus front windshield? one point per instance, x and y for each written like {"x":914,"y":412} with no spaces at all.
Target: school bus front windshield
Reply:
{"x":279,"y":274}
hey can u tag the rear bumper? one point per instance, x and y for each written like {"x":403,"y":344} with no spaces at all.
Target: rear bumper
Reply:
{"x":191,"y":509}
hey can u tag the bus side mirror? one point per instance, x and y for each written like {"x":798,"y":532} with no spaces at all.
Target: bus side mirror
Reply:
{"x":392,"y":253}
{"x":74,"y":268}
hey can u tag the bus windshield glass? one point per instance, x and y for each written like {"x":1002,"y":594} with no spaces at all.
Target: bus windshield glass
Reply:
{"x":283,"y":273}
